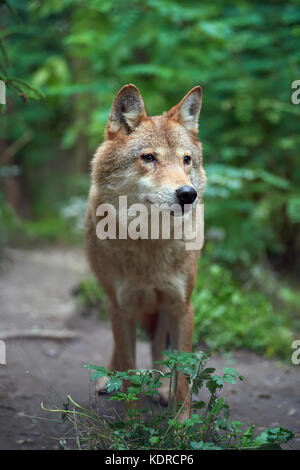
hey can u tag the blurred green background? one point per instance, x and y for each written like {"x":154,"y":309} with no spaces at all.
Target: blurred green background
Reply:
{"x":63,"y":61}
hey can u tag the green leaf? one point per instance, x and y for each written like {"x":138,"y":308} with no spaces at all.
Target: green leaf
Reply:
{"x":113,"y":384}
{"x":204,"y":446}
{"x":274,"y":435}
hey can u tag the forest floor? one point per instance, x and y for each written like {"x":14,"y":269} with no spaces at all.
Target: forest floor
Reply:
{"x":35,"y":294}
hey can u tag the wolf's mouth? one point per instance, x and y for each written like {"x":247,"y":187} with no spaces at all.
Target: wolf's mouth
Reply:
{"x":163,"y":206}
{"x":182,"y":209}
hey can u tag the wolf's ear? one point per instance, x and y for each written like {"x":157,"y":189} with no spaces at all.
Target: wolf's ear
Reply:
{"x":187,"y":111}
{"x":127,"y":110}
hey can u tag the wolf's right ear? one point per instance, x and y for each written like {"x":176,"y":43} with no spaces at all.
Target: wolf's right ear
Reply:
{"x":127,"y":111}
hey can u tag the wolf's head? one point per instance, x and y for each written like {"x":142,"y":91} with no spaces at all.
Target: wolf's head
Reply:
{"x":151,"y":159}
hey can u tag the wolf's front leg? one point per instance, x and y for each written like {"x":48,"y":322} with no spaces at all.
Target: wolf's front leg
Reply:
{"x":112,"y":366}
{"x":181,"y":335}
{"x":124,"y":332}
{"x":158,"y":345}
{"x":123,"y":356}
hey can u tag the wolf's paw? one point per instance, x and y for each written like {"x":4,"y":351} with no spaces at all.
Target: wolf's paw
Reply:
{"x":100,"y":385}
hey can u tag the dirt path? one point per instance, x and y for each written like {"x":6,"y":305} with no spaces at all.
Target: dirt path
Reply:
{"x":35,"y":292}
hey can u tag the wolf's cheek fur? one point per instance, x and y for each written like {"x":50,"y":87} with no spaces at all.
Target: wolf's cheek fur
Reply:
{"x":198,"y":179}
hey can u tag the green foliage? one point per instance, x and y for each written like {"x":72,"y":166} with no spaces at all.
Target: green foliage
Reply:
{"x":229,"y":316}
{"x":89,"y":295}
{"x":154,"y":428}
{"x":8,"y":222}
{"x":59,"y":219}
{"x":17,"y":84}
{"x":47,"y":229}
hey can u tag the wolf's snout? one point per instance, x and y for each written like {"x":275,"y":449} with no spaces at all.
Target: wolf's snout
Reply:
{"x":186,"y":195}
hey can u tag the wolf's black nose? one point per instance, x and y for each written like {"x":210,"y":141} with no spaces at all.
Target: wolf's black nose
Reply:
{"x":186,"y":195}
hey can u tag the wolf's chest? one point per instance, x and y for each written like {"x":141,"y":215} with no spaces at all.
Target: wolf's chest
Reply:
{"x":148,"y":273}
{"x":146,"y":258}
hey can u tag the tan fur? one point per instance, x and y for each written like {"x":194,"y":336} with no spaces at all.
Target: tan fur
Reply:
{"x":150,"y":281}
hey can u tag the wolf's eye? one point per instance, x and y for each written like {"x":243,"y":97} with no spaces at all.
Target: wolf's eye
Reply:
{"x":187,"y":160}
{"x":148,"y":158}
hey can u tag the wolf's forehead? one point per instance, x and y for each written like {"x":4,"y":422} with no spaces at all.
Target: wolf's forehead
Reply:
{"x":162,"y":133}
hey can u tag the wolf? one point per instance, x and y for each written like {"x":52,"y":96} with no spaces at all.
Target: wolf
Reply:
{"x":150,"y":160}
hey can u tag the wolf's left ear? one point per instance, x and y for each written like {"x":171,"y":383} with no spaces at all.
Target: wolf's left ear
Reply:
{"x":127,"y":110}
{"x":187,"y":111}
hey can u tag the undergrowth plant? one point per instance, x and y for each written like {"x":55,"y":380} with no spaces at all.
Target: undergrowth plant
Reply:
{"x":147,"y":425}
{"x":90,"y":296}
